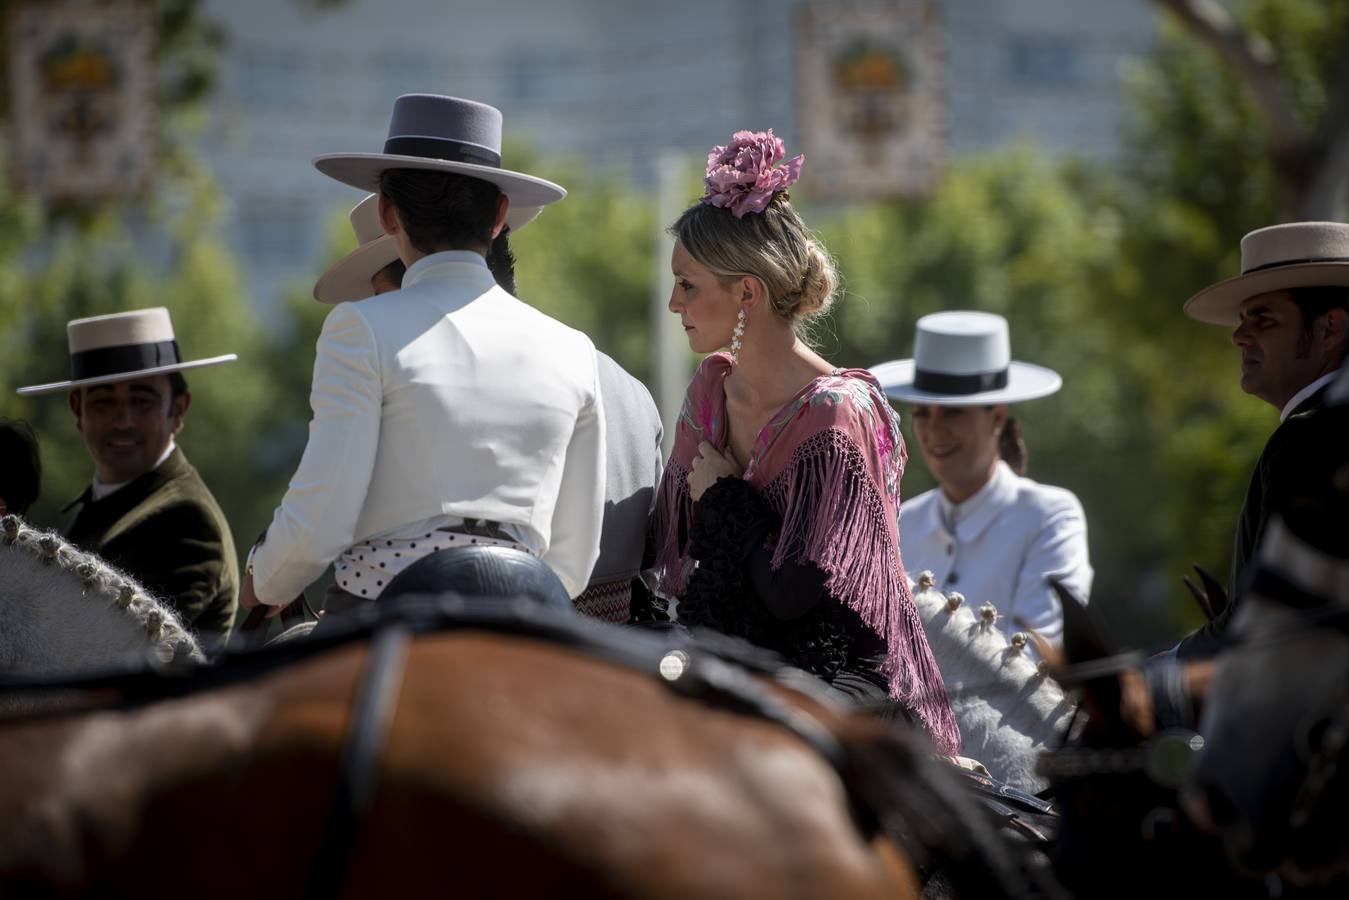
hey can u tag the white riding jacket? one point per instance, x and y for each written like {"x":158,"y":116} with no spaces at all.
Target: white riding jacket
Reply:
{"x":449,"y":397}
{"x":1000,"y":546}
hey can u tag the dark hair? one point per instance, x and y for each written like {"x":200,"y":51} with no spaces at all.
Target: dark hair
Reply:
{"x":394,"y":272}
{"x":177,"y":387}
{"x":501,"y":261}
{"x":20,"y":465}
{"x":440,"y":210}
{"x":1012,"y":447}
{"x":1315,"y":302}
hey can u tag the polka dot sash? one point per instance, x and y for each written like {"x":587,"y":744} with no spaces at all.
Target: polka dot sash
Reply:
{"x":367,"y":567}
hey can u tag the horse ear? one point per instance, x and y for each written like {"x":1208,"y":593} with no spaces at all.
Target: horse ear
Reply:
{"x":1199,"y":596}
{"x":1111,"y":699}
{"x":1082,"y":640}
{"x":1212,"y":596}
{"x":1050,"y":653}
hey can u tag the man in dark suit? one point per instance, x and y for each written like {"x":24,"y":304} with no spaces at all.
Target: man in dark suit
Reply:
{"x":1290,"y":307}
{"x":147,"y":510}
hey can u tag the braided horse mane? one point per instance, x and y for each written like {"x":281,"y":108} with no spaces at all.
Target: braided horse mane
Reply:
{"x":1008,"y":708}
{"x":64,"y":610}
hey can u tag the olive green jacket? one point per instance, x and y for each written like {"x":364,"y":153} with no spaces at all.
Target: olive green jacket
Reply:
{"x":166,"y":530}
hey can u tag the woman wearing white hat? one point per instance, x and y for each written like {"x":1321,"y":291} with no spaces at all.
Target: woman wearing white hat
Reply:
{"x":986,"y":530}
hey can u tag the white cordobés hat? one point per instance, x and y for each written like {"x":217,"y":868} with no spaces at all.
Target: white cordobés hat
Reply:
{"x":964,"y":359}
{"x":120,"y":347}
{"x":349,"y":277}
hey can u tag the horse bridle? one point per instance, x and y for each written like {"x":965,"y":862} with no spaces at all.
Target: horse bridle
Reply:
{"x":1169,"y":752}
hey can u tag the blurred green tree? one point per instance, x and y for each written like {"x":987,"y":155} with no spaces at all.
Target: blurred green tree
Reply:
{"x":60,"y":261}
{"x":1091,"y":264}
{"x":1039,"y":243}
{"x":1283,"y":68}
{"x":1220,"y":144}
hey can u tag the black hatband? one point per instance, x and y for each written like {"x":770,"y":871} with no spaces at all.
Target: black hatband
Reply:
{"x":943,"y":383}
{"x":1278,"y":264}
{"x":122,"y":359}
{"x":442,"y":148}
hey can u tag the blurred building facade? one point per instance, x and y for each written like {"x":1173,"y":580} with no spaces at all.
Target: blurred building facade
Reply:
{"x":611,"y":82}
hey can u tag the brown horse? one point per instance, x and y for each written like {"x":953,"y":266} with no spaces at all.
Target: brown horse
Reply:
{"x":499,"y":759}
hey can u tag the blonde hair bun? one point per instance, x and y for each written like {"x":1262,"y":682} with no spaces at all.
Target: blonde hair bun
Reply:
{"x":774,"y":246}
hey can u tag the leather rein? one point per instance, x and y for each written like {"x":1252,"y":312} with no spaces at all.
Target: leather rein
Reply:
{"x":695,"y":673}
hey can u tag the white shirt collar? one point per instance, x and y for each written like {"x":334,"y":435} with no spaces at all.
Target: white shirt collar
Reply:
{"x":1306,"y":392}
{"x":968,"y":520}
{"x":432,"y":261}
{"x":99,"y":490}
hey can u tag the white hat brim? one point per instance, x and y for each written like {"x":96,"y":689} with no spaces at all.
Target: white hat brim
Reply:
{"x":1220,"y":304}
{"x":362,"y":170}
{"x":63,"y":386}
{"x":1024,"y":382}
{"x":348,"y":279}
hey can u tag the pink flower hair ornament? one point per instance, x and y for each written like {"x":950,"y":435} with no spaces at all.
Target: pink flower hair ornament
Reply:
{"x":744,"y":175}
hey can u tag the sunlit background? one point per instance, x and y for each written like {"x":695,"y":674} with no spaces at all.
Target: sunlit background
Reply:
{"x":1080,"y":166}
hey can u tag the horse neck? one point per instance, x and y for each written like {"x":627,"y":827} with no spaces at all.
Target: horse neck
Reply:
{"x":66,"y":610}
{"x":1006,"y":708}
{"x":973,"y":651}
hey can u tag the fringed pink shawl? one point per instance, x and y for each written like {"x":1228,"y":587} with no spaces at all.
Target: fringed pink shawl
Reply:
{"x":837,"y":440}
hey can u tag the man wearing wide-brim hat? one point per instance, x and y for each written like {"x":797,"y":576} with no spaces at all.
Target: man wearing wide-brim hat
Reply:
{"x":633,"y":429}
{"x":1289,"y":309}
{"x":446,"y":412}
{"x":147,"y":511}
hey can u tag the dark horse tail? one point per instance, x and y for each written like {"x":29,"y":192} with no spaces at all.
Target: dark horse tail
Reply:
{"x":898,"y":789}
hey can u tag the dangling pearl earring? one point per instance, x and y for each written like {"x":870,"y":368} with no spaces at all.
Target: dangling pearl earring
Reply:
{"x":737,"y":334}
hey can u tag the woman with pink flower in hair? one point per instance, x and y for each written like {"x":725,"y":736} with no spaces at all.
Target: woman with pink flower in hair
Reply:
{"x":776,"y":516}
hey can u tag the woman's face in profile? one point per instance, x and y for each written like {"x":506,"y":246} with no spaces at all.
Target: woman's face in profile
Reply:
{"x":959,"y":444}
{"x":706,"y":308}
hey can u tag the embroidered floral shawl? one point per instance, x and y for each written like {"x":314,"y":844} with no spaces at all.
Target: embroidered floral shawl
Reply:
{"x":829,"y":464}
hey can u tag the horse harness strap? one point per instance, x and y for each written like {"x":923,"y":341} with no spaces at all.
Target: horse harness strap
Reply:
{"x":697,"y":673}
{"x":371,"y":718}
{"x":1322,"y":767}
{"x":716,"y":672}
{"x":714,"y":680}
{"x":253,"y":632}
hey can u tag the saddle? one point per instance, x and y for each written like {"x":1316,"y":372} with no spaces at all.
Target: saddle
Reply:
{"x":482,"y":571}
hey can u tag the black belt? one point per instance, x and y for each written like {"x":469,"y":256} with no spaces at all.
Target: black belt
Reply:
{"x":480,"y":528}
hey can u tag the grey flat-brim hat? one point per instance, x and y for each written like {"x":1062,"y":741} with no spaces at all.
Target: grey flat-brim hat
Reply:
{"x":964,"y":359}
{"x":122,"y":347}
{"x":1298,"y":254}
{"x":349,"y":278}
{"x":441,"y":134}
